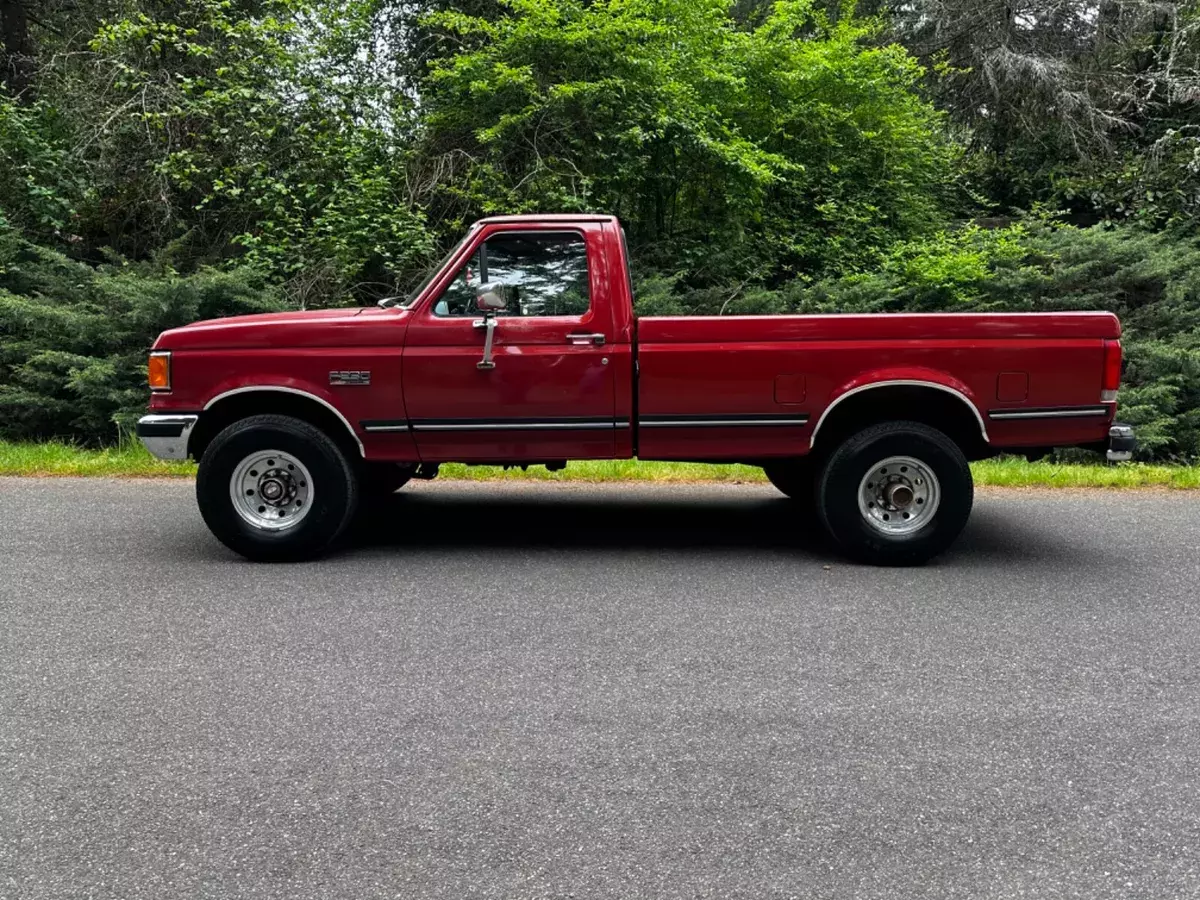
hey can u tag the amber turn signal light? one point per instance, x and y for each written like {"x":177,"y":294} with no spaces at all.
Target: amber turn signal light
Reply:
{"x":159,"y":372}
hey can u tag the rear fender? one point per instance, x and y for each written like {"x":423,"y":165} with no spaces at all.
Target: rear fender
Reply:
{"x":901,"y":377}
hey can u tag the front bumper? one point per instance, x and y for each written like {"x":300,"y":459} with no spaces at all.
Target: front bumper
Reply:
{"x":1121,"y":443}
{"x":166,"y":435}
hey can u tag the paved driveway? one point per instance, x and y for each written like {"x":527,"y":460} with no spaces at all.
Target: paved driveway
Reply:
{"x":554,"y":691}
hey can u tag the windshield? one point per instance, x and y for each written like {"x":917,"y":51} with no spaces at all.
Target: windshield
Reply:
{"x":429,"y":276}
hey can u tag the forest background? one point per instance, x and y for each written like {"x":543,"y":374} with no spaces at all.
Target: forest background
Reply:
{"x":162,"y":162}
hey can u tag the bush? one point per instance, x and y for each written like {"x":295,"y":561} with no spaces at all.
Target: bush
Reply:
{"x":1150,"y":280}
{"x":73,"y":338}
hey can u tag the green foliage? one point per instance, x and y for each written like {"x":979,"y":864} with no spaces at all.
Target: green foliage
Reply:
{"x":1155,"y":186}
{"x":39,"y":186}
{"x":1152,"y":281}
{"x":727,"y":151}
{"x":73,"y":338}
{"x":261,"y":133}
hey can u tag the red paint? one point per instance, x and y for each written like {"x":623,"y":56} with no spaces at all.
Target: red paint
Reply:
{"x":424,"y":368}
{"x":1012,"y":387}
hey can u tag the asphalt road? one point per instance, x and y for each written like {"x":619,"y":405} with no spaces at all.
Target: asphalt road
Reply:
{"x":569,"y":691}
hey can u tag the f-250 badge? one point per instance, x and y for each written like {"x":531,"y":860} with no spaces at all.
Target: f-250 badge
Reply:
{"x":350,"y":378}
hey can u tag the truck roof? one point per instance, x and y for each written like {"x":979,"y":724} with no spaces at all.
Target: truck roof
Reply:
{"x":548,"y":217}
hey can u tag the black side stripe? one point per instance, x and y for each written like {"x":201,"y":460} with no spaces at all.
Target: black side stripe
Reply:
{"x":583,"y":423}
{"x":723,"y":421}
{"x":564,"y":423}
{"x":1049,"y":412}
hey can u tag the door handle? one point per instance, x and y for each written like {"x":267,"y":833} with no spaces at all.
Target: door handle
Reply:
{"x":597,"y":339}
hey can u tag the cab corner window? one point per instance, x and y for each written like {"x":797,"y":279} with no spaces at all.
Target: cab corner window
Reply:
{"x":521,"y":274}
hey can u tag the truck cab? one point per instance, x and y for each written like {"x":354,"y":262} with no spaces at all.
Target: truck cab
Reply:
{"x":522,"y":348}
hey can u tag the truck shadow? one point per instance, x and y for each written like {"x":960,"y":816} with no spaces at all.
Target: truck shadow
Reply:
{"x":642,"y":520}
{"x":432,"y":519}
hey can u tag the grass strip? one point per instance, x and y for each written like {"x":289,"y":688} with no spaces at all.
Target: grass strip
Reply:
{"x":129,"y":460}
{"x":132,"y":461}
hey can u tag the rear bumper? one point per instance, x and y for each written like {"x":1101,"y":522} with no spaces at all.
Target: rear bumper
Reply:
{"x":1121,"y":443}
{"x":166,"y":436}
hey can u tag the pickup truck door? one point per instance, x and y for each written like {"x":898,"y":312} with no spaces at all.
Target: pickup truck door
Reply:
{"x":547,"y":390}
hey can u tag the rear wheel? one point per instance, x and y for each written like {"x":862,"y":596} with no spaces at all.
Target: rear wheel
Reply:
{"x":895,"y":494}
{"x":275,"y":488}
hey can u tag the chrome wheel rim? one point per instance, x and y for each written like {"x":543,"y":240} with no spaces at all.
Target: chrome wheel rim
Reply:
{"x":899,"y":495}
{"x":271,"y":490}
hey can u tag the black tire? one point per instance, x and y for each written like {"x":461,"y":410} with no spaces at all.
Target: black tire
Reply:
{"x":843,"y":476}
{"x":794,"y":478}
{"x":334,"y":488}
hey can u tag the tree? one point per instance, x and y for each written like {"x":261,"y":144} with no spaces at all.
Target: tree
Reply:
{"x":735,"y":152}
{"x":16,"y":54}
{"x":213,"y":130}
{"x":1052,"y":89}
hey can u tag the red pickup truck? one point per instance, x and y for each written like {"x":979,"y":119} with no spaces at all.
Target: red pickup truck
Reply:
{"x":523,"y":348}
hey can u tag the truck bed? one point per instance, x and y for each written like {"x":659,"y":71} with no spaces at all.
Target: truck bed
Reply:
{"x":773,"y":378}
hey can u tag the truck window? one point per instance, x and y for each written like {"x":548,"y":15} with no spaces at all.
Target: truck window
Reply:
{"x":544,"y":274}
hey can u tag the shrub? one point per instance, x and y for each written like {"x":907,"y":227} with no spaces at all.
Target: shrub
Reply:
{"x":73,"y":338}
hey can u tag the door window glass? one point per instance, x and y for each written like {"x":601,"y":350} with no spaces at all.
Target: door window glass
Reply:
{"x":535,"y":274}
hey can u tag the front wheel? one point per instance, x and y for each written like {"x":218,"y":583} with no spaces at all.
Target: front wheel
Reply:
{"x":895,"y":494}
{"x":275,"y":488}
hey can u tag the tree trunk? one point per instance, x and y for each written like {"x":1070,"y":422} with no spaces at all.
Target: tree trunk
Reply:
{"x":16,"y":52}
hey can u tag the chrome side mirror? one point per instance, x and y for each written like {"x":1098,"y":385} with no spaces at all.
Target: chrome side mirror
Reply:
{"x":492,"y":297}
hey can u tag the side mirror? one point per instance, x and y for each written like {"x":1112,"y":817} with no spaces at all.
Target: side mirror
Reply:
{"x":491,"y":297}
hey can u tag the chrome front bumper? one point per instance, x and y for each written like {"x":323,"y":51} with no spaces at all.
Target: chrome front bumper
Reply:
{"x":165,"y":435}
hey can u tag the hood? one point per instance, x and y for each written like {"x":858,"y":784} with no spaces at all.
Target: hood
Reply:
{"x":356,"y":327}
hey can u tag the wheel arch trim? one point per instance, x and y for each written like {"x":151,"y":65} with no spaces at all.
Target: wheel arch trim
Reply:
{"x":263,"y":388}
{"x":900,"y":382}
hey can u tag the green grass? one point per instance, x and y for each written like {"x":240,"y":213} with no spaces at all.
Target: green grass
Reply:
{"x":132,"y":461}
{"x":1021,"y":473}
{"x":611,"y":470}
{"x":129,"y":460}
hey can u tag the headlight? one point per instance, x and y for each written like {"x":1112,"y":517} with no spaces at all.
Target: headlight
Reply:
{"x":158,"y":372}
